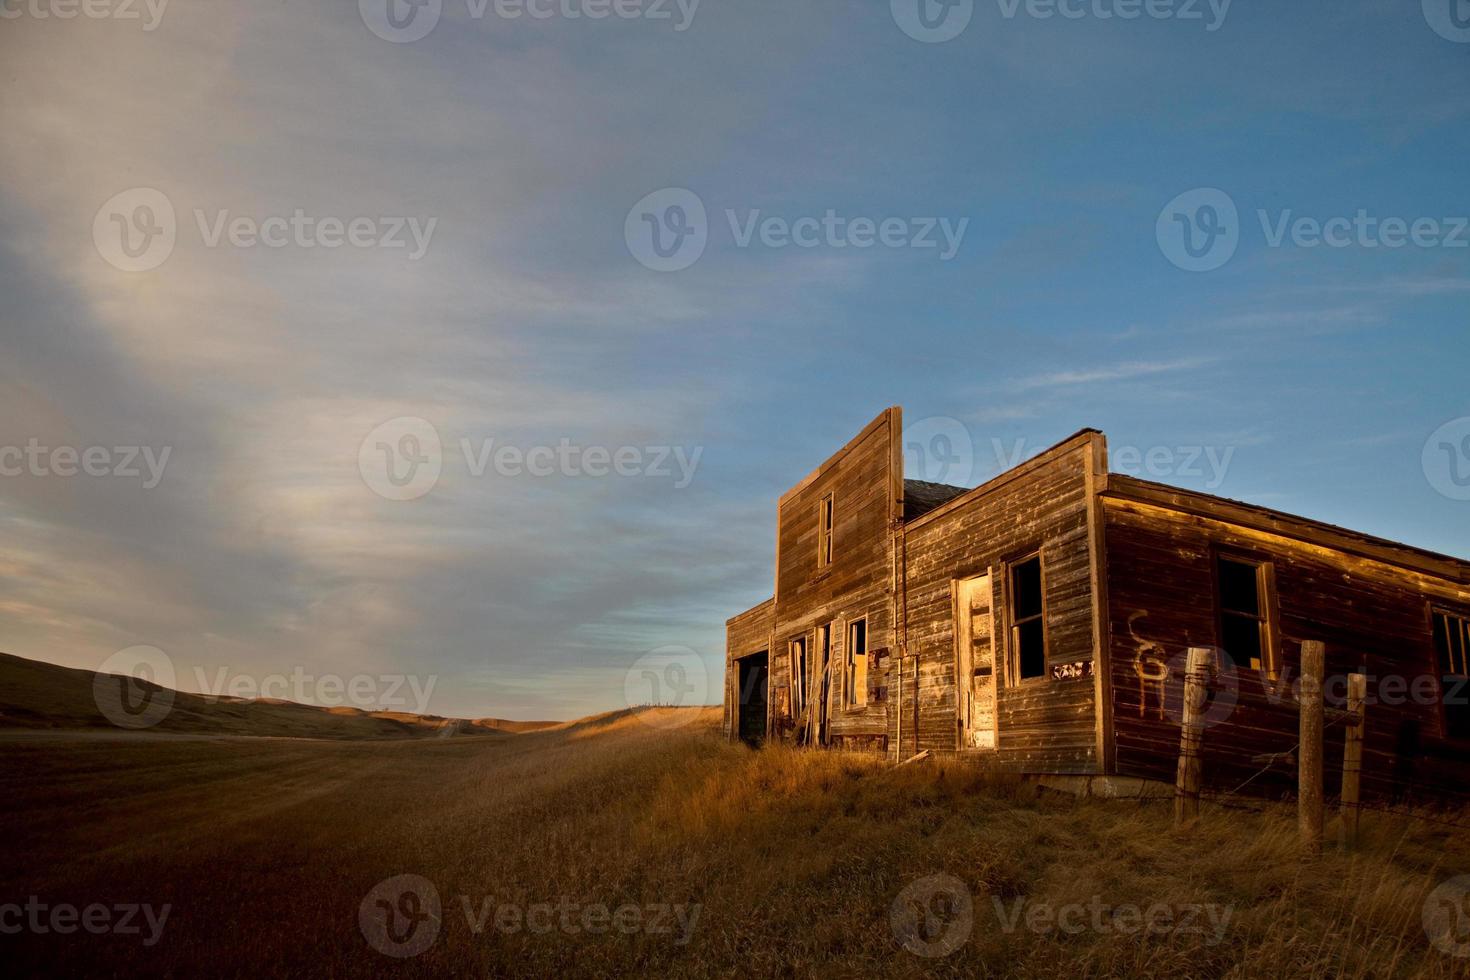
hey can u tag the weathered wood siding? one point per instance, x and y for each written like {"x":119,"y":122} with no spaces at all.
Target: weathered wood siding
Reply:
{"x":749,"y":632}
{"x":1372,"y":615}
{"x":863,"y":478}
{"x":1044,"y":725}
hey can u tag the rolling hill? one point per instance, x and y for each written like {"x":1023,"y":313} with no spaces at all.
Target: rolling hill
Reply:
{"x":42,"y":696}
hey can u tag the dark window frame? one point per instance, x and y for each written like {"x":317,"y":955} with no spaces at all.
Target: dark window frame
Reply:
{"x":826,"y":529}
{"x":850,"y":689}
{"x":1268,"y":615}
{"x":1014,"y":677}
{"x":1451,"y":613}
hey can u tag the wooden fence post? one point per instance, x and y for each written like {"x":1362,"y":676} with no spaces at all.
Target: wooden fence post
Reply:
{"x":1191,"y":731}
{"x":1309,"y":779}
{"x":1352,"y":756}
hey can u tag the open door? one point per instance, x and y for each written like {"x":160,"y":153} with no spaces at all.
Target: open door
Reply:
{"x":975,"y":666}
{"x":754,"y":672}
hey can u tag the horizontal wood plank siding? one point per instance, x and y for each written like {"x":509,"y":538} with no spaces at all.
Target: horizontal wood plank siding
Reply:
{"x":1044,"y":725}
{"x":857,"y":583}
{"x":1373,"y":617}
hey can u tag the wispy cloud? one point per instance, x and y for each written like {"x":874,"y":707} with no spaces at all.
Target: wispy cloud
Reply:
{"x":1108,"y":374}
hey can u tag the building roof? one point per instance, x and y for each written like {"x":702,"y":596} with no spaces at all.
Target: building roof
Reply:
{"x":921,"y":496}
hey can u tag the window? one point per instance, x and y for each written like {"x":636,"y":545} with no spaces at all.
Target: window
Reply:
{"x":1452,"y":649}
{"x":857,"y":663}
{"x":824,"y":531}
{"x":1244,"y":597}
{"x":1028,"y":620}
{"x":798,"y":675}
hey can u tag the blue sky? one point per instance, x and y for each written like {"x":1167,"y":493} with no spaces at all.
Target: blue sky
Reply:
{"x":1322,"y":371}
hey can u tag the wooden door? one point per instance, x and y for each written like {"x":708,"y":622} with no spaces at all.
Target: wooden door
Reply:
{"x":975,"y":666}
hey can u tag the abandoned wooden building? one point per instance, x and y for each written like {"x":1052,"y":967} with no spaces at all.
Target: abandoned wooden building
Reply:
{"x":1040,"y":621}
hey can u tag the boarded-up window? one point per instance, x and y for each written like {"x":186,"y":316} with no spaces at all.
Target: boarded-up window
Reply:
{"x":1244,"y":601}
{"x":1452,"y":648}
{"x":857,"y":662}
{"x":1028,"y":619}
{"x":824,"y":531}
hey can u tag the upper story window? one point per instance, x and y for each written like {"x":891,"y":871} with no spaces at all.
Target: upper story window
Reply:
{"x":1244,"y":595}
{"x":1028,"y":619}
{"x":824,"y":531}
{"x":1452,"y":651}
{"x":857,"y":663}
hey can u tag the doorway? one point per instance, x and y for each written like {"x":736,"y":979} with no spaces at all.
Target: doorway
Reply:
{"x":975,"y":666}
{"x":754,"y":671}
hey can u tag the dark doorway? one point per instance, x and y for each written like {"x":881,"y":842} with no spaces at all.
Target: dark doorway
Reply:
{"x":753,"y":697}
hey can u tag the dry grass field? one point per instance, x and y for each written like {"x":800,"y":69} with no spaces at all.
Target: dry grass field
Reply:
{"x":706,"y":859}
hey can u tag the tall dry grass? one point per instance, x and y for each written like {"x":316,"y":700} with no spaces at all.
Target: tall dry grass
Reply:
{"x":795,"y":858}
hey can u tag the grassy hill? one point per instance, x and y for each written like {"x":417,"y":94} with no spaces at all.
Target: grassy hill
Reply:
{"x":284,"y":857}
{"x":37,"y":695}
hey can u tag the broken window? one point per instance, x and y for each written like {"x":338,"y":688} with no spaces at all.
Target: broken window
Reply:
{"x":857,"y":662}
{"x":1245,"y":622}
{"x":1028,"y":619}
{"x":824,"y":531}
{"x":1452,"y":649}
{"x":798,"y":675}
